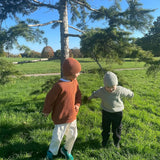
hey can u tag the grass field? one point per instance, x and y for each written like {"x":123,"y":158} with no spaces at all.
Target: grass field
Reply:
{"x":54,"y":66}
{"x":25,"y":134}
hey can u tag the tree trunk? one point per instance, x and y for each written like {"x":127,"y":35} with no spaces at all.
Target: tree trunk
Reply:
{"x":96,"y":60}
{"x":1,"y":50}
{"x":64,"y":32}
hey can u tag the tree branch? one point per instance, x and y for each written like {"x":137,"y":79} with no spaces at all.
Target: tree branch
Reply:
{"x":55,"y":21}
{"x":45,"y":5}
{"x":44,"y":24}
{"x":85,"y":5}
{"x":73,"y":35}
{"x":76,"y":29}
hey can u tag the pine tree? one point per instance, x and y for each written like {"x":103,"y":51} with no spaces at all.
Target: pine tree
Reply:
{"x":134,"y":17}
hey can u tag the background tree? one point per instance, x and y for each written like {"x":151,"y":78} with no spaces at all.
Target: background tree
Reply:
{"x":79,"y":9}
{"x":31,"y":54}
{"x":11,"y":9}
{"x":150,"y":41}
{"x":28,"y":6}
{"x":34,"y":54}
{"x":57,"y":54}
{"x":75,"y":52}
{"x":114,"y":41}
{"x":45,"y":40}
{"x":47,"y":52}
{"x":7,"y":69}
{"x":9,"y":37}
{"x":105,"y":43}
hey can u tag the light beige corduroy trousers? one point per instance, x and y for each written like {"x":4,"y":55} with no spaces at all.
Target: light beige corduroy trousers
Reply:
{"x":67,"y":129}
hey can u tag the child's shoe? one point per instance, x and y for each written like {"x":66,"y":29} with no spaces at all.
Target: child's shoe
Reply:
{"x":67,"y":155}
{"x":49,"y":156}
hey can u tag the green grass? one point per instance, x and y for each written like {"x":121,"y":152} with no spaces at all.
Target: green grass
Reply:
{"x":54,"y":66}
{"x":25,"y":134}
{"x":11,"y":59}
{"x":39,"y":67}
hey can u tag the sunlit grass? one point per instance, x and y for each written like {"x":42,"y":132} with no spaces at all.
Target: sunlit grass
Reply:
{"x":54,"y":65}
{"x":25,"y":134}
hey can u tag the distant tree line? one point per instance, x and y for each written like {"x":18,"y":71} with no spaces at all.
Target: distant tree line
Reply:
{"x":151,"y":40}
{"x":46,"y":53}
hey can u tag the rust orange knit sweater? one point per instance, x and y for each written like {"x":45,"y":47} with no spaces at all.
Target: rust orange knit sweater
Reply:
{"x":61,"y":101}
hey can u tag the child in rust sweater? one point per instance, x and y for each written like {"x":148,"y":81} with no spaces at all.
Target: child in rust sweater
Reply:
{"x":63,"y":101}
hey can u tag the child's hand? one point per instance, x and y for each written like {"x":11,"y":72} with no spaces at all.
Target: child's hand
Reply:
{"x":86,"y":99}
{"x":76,"y":108}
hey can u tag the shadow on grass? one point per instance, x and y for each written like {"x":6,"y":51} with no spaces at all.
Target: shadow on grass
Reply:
{"x":92,"y":144}
{"x":13,"y":149}
{"x":35,"y":150}
{"x":4,"y":101}
{"x":26,"y":107}
{"x":10,"y":150}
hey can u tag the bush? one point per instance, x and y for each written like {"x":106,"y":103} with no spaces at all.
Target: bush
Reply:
{"x":7,"y":70}
{"x":47,"y":52}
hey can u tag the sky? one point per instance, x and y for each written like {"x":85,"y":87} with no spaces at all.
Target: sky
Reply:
{"x":53,"y":35}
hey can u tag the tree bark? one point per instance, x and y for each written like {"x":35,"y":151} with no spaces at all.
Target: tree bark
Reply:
{"x":96,"y":60}
{"x":64,"y":32}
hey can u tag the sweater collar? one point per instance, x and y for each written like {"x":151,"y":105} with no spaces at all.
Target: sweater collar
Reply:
{"x":64,"y":80}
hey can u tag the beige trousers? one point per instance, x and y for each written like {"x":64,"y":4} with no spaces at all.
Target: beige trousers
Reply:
{"x":67,"y":129}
